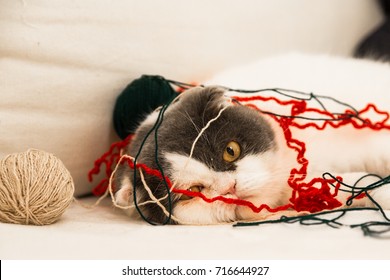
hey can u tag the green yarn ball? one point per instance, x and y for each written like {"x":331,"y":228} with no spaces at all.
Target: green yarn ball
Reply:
{"x":138,"y":99}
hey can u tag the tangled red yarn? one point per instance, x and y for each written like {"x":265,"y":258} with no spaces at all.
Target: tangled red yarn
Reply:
{"x":316,"y":195}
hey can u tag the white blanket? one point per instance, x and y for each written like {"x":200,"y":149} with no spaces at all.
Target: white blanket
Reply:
{"x":106,"y":233}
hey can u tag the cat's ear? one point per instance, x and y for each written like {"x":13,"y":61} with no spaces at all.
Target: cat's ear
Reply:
{"x":219,"y":96}
{"x":124,"y":195}
{"x":204,"y":95}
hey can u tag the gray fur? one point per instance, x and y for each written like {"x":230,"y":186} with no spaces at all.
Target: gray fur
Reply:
{"x":181,"y":125}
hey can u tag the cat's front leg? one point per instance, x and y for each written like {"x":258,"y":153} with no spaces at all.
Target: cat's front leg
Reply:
{"x":124,"y":195}
{"x":381,"y":196}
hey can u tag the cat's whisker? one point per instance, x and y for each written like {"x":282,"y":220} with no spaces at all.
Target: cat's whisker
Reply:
{"x":188,"y":117}
{"x":217,"y":133}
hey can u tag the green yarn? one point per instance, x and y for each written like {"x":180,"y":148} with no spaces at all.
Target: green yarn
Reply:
{"x":137,"y":100}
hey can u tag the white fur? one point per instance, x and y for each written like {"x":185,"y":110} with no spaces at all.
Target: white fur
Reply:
{"x":151,"y":118}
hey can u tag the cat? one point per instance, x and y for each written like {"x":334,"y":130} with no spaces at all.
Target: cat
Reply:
{"x":242,"y":154}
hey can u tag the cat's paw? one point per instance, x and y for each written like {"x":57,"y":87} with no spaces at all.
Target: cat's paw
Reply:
{"x":381,"y":196}
{"x":124,"y":197}
{"x":360,"y":180}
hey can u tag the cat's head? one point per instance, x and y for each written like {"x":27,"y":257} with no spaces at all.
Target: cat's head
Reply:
{"x":232,"y":157}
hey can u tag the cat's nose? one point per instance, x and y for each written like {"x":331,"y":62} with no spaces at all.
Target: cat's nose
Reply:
{"x":230,"y":188}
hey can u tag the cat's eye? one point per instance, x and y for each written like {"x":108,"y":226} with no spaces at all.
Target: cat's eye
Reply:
{"x":191,"y":189}
{"x":232,"y":151}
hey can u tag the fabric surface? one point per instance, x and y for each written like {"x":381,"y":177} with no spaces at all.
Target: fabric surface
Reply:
{"x":106,"y":233}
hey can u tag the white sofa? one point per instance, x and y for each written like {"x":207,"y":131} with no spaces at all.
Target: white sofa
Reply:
{"x":62,"y":65}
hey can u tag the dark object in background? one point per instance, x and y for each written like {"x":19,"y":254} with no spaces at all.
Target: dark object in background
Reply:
{"x":138,"y":99}
{"x":377,"y":44}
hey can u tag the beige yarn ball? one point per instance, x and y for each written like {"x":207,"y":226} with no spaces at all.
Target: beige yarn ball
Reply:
{"x":35,"y":188}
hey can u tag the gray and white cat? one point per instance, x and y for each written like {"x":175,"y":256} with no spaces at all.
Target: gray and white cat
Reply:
{"x":243,"y":153}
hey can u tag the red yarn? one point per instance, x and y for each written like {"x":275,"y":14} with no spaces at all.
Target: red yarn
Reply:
{"x":305,"y":196}
{"x":108,"y":159}
{"x":313,"y":196}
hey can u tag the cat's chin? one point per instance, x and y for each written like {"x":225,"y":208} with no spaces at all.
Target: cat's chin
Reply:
{"x":197,"y":212}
